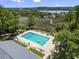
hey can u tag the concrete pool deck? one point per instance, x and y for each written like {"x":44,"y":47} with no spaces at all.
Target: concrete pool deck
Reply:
{"x":47,"y":47}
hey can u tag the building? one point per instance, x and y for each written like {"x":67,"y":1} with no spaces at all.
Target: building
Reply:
{"x":11,"y":50}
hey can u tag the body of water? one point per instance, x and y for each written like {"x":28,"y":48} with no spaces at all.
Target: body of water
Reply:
{"x":54,"y":11}
{"x":39,"y":39}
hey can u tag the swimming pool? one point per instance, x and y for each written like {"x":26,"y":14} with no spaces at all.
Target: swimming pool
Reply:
{"x":39,"y":39}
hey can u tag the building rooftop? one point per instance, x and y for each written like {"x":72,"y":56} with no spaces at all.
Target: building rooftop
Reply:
{"x":12,"y":50}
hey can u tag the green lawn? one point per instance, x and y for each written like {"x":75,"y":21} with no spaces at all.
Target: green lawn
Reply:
{"x":20,"y":43}
{"x":36,"y":52}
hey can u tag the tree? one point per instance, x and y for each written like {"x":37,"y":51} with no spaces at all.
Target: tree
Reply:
{"x":31,"y":21}
{"x":72,"y":18}
{"x":8,"y":20}
{"x":66,"y":48}
{"x":67,"y":40}
{"x":77,"y":16}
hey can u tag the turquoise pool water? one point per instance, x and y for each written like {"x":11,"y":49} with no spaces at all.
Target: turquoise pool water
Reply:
{"x":35,"y":38}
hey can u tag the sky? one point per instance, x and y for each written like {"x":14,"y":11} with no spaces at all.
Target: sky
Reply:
{"x":39,"y":3}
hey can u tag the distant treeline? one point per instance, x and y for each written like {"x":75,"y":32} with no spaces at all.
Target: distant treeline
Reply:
{"x":43,"y":8}
{"x":52,"y":8}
